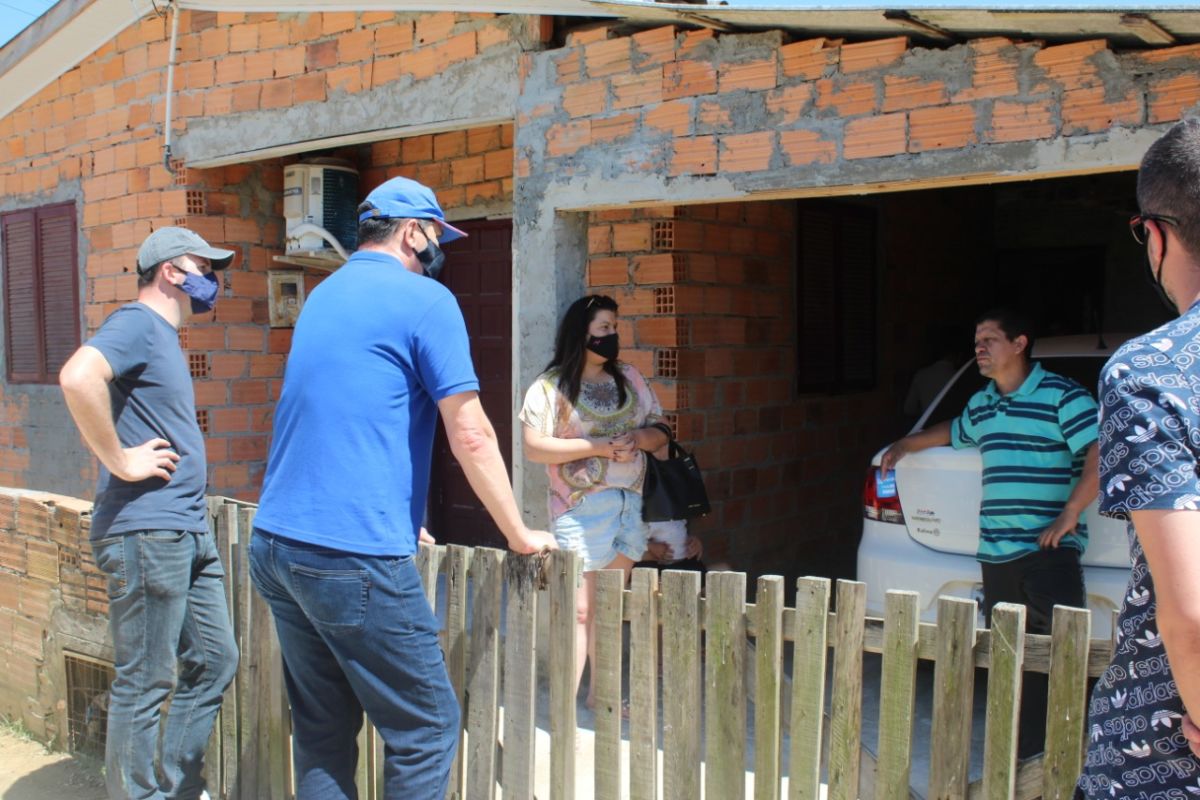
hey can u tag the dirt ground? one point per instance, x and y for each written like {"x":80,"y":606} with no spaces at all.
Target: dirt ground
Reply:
{"x":28,"y":772}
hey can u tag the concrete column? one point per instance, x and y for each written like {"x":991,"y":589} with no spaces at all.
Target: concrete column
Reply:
{"x":549,"y":263}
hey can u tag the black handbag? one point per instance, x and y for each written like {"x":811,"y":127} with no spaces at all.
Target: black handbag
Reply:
{"x":674,"y":487}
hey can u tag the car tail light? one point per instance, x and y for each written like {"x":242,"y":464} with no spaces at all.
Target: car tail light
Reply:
{"x":886,"y":508}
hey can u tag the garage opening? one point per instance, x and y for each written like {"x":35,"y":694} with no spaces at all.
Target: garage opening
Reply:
{"x":799,"y":325}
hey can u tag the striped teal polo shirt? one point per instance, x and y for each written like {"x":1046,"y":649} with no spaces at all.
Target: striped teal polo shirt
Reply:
{"x":1033,"y":443}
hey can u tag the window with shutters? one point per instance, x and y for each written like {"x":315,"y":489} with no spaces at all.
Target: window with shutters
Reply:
{"x":835,"y":297}
{"x":41,"y":291}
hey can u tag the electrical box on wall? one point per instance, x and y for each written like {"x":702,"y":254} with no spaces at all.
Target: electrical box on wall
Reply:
{"x":286,"y":297}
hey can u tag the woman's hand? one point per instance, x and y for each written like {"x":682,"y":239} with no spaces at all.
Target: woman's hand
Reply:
{"x":625,"y":447}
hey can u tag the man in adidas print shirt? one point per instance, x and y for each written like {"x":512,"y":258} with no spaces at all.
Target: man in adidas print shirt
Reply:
{"x":1036,"y":434}
{"x":1138,"y":722}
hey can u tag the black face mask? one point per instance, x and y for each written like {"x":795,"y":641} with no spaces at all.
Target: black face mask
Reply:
{"x":1155,"y":278}
{"x":607,"y":346}
{"x":432,"y":259}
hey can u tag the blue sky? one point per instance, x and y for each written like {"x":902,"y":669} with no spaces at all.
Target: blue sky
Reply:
{"x":16,"y":14}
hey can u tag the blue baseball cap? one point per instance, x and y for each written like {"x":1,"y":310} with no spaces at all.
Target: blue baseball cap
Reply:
{"x":404,"y":198}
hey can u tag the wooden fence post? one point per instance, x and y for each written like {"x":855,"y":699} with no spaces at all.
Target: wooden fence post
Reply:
{"x":483,"y":673}
{"x":845,"y":723}
{"x":725,"y":686}
{"x":643,"y":685}
{"x":606,"y":615}
{"x":520,"y":677}
{"x":768,"y":685}
{"x":1004,"y":701}
{"x":897,"y":696}
{"x":564,"y":581}
{"x":1066,"y":714}
{"x":954,"y":679}
{"x":681,"y":684}
{"x":458,"y":564}
{"x":809,"y":650}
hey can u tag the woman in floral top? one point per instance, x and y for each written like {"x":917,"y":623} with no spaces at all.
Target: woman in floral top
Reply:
{"x":588,"y":418}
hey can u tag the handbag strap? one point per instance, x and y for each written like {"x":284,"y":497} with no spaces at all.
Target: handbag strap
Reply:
{"x":665,"y":428}
{"x":674,"y":449}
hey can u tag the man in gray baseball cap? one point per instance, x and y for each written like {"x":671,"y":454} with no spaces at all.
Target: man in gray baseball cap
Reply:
{"x":129,"y":391}
{"x":168,"y":243}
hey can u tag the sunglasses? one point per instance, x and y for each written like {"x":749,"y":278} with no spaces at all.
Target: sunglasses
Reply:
{"x":1137,"y":224}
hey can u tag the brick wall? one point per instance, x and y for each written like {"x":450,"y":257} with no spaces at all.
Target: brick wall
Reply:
{"x":100,"y":123}
{"x":49,"y":586}
{"x":746,"y":105}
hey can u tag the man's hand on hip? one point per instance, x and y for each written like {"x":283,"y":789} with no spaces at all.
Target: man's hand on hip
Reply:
{"x":152,"y":459}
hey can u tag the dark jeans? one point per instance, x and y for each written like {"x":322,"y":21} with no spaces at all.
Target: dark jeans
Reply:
{"x":171,"y":631}
{"x":358,"y":634}
{"x":1039,"y":581}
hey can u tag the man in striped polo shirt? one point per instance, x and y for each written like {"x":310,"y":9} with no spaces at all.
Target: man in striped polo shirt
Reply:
{"x":1036,"y":432}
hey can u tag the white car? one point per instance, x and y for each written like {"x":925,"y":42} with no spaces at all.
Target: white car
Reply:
{"x":924,"y":538}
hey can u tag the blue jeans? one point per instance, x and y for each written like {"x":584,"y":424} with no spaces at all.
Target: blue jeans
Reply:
{"x":358,"y":634}
{"x":171,"y":631}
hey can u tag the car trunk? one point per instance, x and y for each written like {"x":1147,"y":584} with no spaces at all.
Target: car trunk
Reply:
{"x":940,"y":492}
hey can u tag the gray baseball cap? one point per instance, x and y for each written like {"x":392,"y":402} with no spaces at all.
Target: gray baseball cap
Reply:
{"x":167,"y":243}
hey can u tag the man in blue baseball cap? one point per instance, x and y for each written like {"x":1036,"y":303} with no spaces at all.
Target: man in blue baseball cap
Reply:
{"x":380,"y":350}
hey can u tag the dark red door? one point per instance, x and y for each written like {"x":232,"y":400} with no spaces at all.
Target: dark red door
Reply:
{"x":479,"y":272}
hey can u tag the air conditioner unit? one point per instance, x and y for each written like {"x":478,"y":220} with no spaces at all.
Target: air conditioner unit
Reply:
{"x":320,"y":198}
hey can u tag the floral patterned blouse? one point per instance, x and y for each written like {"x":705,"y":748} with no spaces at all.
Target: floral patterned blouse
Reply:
{"x":597,"y":413}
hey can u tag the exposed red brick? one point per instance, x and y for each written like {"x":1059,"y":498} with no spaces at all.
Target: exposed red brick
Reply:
{"x":1169,"y":98}
{"x":688,"y":78}
{"x":655,"y":46}
{"x":585,"y":99}
{"x":902,"y":94}
{"x":695,"y":155}
{"x":808,"y":60}
{"x":847,"y":99}
{"x":872,"y":55}
{"x":608,"y":271}
{"x":566,"y":138}
{"x":1089,"y":111}
{"x":1071,"y":65}
{"x":615,"y":127}
{"x":754,"y":76}
{"x":608,"y":57}
{"x":790,"y":103}
{"x":1015,"y":121}
{"x":638,"y":89}
{"x":747,"y":152}
{"x":674,"y":117}
{"x":872,"y":137}
{"x":941,"y":128}
{"x":807,"y":147}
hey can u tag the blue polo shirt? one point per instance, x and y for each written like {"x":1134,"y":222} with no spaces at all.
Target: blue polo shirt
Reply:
{"x":1032,"y":442}
{"x":376,"y":347}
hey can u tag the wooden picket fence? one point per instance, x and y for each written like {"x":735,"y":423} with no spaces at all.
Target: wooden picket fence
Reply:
{"x":695,"y":649}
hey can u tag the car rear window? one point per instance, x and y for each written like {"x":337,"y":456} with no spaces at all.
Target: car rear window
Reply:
{"x":1085,"y":369}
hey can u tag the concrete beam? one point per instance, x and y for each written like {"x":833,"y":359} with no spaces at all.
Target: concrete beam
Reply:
{"x":474,"y":93}
{"x":1119,"y":150}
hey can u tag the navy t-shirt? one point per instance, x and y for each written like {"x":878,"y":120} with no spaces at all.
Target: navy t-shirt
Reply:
{"x":152,"y":397}
{"x":1149,"y":442}
{"x":375,"y":348}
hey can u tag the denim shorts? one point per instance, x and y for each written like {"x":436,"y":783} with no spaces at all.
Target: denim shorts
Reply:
{"x":603,"y":525}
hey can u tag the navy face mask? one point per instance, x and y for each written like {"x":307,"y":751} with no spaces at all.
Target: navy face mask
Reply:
{"x":202,"y":289}
{"x":432,"y":259}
